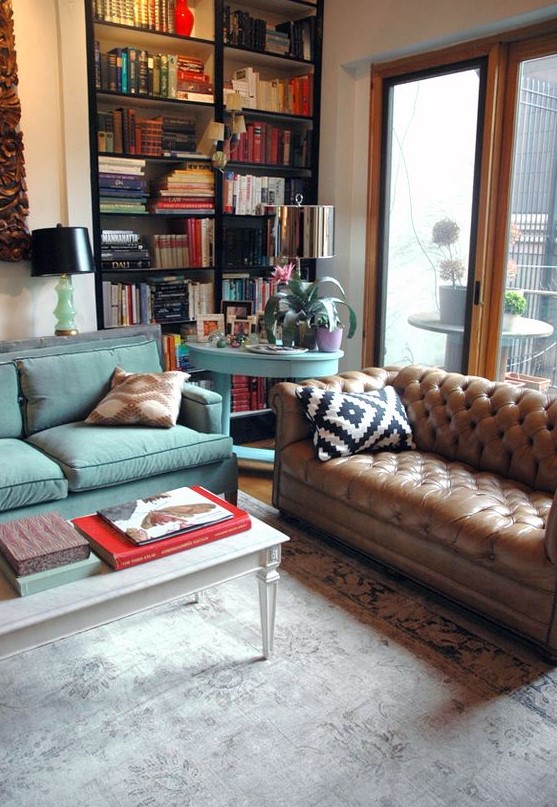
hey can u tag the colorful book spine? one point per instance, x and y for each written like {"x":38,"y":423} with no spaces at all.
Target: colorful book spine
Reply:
{"x":119,"y":553}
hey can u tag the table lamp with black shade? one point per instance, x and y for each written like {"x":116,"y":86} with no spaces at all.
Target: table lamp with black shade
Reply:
{"x":62,"y":252}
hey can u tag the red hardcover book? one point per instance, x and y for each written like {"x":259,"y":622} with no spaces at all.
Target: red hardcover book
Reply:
{"x":197,"y":236}
{"x":241,"y":407}
{"x":257,"y":142}
{"x":107,"y":542}
{"x":274,"y":146}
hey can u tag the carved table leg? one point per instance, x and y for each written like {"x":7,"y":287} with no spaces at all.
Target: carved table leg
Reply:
{"x":267,"y":579}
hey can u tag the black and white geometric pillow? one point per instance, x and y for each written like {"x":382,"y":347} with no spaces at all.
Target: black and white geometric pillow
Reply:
{"x":346,"y":423}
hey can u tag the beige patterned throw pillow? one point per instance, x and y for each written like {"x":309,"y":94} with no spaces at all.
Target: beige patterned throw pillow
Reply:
{"x":140,"y":399}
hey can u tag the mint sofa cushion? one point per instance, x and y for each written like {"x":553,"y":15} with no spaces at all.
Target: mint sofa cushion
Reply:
{"x":99,"y":456}
{"x":11,"y":424}
{"x":28,"y":477}
{"x":65,"y":387}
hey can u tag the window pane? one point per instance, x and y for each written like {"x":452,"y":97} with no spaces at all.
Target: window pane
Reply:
{"x":429,"y":193}
{"x":528,"y":353}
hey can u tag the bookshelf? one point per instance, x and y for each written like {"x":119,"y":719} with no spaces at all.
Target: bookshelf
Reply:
{"x":165,"y":222}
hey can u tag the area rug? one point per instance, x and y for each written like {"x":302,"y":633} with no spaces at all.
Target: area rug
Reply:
{"x":378,"y":694}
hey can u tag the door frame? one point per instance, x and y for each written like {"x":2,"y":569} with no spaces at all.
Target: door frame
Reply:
{"x":503,"y":56}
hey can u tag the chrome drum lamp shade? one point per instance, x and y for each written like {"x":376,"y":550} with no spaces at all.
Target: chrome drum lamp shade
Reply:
{"x":304,"y":231}
{"x":62,"y":251}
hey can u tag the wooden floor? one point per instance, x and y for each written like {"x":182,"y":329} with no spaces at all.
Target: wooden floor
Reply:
{"x":256,"y":478}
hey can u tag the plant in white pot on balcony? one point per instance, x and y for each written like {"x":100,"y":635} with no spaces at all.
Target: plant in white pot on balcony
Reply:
{"x":452,"y":292}
{"x":514,"y":306}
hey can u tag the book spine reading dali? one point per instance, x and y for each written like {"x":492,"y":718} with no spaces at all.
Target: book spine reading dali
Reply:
{"x":106,"y":541}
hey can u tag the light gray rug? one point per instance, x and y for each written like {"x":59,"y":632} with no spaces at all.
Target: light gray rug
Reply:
{"x":377,"y":694}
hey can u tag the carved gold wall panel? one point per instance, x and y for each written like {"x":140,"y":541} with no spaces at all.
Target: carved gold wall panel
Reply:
{"x":14,"y":235}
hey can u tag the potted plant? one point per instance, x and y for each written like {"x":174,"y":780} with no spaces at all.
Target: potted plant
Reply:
{"x":514,"y":306}
{"x":452,"y":295}
{"x":298,"y":307}
{"x":329,"y":332}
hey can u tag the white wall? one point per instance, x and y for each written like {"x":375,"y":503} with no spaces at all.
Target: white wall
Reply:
{"x":356,"y":35}
{"x":54,"y":122}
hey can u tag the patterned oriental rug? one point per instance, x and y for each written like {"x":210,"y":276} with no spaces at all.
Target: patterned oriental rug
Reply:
{"x":378,"y":694}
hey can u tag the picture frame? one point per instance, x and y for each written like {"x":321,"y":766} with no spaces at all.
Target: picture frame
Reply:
{"x":261,"y":329}
{"x":243,"y":325}
{"x":241,"y":309}
{"x":207,"y":324}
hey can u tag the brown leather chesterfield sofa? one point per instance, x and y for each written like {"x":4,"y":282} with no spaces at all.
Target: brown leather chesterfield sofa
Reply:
{"x":469,"y":512}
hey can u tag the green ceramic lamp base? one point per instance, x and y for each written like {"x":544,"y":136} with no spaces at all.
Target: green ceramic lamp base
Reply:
{"x":65,"y":311}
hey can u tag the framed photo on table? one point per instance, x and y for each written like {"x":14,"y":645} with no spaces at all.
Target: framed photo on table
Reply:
{"x":242,"y":325}
{"x":261,"y":328}
{"x":207,"y":324}
{"x":240,"y":309}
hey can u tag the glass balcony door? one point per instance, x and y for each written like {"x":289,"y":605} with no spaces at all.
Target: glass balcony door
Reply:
{"x":527,"y":343}
{"x":429,"y":181}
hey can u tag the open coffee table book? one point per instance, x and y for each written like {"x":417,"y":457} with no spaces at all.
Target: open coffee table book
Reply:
{"x":113,"y":535}
{"x":104,"y":596}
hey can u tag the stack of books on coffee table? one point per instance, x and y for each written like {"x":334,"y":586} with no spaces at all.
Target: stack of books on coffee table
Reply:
{"x":146,"y":529}
{"x":43,"y":551}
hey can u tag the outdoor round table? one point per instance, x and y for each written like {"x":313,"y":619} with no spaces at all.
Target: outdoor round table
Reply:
{"x":523,"y":328}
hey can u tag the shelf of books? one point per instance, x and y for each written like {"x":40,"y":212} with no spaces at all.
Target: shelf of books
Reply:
{"x":174,"y":237}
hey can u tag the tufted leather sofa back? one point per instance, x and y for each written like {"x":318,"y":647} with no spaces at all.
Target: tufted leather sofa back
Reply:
{"x":490,"y":425}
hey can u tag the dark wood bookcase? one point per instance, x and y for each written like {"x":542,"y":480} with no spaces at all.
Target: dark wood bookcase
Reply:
{"x":279,"y":150}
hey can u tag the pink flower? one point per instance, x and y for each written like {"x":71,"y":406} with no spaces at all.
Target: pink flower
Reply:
{"x":282,"y":274}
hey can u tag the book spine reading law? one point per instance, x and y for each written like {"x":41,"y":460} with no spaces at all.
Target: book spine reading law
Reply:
{"x":119,"y":553}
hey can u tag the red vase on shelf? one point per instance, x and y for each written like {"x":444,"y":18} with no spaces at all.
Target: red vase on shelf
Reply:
{"x":183,"y":18}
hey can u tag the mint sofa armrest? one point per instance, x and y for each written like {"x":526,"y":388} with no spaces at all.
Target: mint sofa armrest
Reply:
{"x":201,"y":409}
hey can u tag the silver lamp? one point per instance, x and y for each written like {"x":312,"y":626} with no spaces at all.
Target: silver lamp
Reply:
{"x":303,"y":231}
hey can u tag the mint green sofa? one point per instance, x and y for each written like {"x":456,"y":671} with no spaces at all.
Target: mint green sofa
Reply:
{"x":51,"y":460}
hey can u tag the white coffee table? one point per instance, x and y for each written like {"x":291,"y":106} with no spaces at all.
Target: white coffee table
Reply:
{"x":37,"y":619}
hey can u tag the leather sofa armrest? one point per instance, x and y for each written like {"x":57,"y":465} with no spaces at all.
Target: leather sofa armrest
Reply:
{"x":292,"y":424}
{"x":551,"y":532}
{"x":201,"y":409}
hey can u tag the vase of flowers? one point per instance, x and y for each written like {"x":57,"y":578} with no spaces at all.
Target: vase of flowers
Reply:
{"x":452,"y":292}
{"x":298,"y":307}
